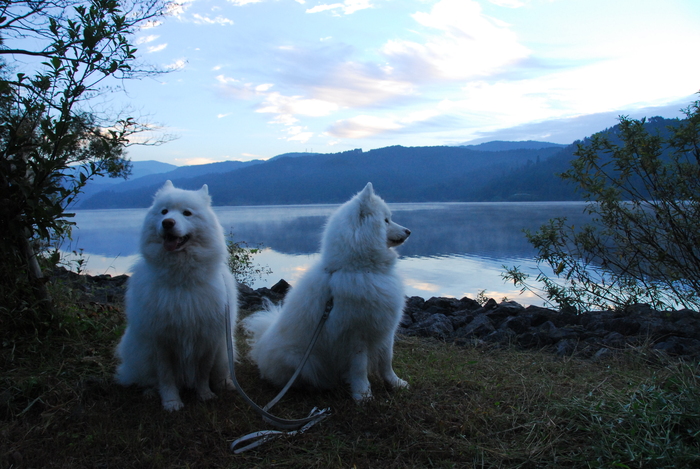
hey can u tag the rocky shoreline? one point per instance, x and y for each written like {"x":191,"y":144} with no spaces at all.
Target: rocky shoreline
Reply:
{"x":593,"y":334}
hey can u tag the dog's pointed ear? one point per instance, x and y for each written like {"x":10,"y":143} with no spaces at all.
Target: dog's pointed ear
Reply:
{"x":165,"y":187}
{"x":365,"y":197}
{"x":204,"y":190}
{"x":366,"y":193}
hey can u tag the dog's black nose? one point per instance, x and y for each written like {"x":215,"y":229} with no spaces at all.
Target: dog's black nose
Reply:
{"x":408,"y":232}
{"x":168,"y":223}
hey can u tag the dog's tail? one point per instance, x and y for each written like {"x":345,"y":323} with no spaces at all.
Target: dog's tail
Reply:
{"x":256,"y":324}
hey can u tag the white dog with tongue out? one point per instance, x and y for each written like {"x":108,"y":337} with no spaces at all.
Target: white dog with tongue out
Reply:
{"x":177,"y":299}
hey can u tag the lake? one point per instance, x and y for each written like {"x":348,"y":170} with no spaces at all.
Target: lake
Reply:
{"x":455,"y":249}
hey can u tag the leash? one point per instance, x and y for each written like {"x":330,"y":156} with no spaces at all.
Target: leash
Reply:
{"x":290,"y":426}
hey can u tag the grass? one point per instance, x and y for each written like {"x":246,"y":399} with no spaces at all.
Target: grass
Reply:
{"x":466,"y":407}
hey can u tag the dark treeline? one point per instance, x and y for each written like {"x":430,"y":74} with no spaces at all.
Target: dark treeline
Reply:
{"x":400,"y":174}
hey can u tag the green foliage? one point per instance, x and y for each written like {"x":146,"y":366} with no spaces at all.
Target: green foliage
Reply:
{"x":654,"y":424}
{"x":643,"y":244}
{"x":53,"y":138}
{"x":240,"y":261}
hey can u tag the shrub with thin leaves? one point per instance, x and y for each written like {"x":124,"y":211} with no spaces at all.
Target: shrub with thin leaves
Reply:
{"x":642,"y":184}
{"x":63,"y":55}
{"x":241,"y":264}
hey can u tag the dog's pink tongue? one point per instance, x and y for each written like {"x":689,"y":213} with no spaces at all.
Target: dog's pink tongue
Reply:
{"x":170,"y":243}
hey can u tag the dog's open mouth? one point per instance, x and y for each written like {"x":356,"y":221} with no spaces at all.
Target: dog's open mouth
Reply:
{"x":395,"y":242}
{"x":174,"y":243}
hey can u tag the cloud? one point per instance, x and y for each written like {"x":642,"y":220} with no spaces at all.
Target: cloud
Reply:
{"x":422,"y":285}
{"x":157,"y":48}
{"x":508,"y":3}
{"x":199,"y":19}
{"x":197,"y":161}
{"x":362,"y":126}
{"x":354,"y":85}
{"x":177,"y":9}
{"x":367,"y":126}
{"x":243,"y":2}
{"x":179,"y":64}
{"x":235,"y":88}
{"x":466,"y":44}
{"x":276,"y":103}
{"x":299,"y":136}
{"x":146,"y":39}
{"x":348,"y":7}
{"x":569,"y":129}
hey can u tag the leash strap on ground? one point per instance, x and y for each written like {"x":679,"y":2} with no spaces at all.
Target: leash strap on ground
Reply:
{"x":263,"y":436}
{"x":294,"y":426}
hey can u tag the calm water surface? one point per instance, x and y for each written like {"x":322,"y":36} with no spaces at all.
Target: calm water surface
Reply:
{"x":455,"y":249}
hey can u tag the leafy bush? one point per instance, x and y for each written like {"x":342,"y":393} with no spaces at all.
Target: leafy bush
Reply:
{"x":53,"y":137}
{"x":240,"y":261}
{"x":643,"y":244}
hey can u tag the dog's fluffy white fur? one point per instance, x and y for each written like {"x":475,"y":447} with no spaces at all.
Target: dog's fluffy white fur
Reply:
{"x":356,"y":271}
{"x":176,"y":300}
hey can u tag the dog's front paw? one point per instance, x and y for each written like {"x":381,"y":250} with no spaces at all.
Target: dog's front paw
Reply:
{"x":228,"y":385}
{"x":205,"y":395}
{"x":361,"y":397}
{"x":399,"y":384}
{"x":173,"y":404}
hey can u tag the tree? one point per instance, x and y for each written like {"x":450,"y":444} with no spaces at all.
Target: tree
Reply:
{"x":643,"y":243}
{"x":53,"y":135}
{"x":240,"y":261}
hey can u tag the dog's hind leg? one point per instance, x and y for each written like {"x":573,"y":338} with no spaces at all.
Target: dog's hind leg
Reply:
{"x":357,"y":376}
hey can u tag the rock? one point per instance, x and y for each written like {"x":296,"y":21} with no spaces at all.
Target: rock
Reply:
{"x":595,"y":334}
{"x":528,"y":339}
{"x":615,"y":340}
{"x":500,"y":336}
{"x":539,"y":315}
{"x":565,"y":347}
{"x":481,"y":326}
{"x":602,"y":354}
{"x":443,"y":305}
{"x":437,"y":325}
{"x":461,"y":318}
{"x":406,"y":320}
{"x":517,"y":324}
{"x":281,"y":287}
{"x":623,"y":326}
{"x":249,"y":298}
{"x":469,"y":304}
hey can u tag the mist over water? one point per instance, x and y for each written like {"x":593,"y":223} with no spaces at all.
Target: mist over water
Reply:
{"x":455,"y":249}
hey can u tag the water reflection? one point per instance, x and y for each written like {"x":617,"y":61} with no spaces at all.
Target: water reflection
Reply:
{"x":455,"y":249}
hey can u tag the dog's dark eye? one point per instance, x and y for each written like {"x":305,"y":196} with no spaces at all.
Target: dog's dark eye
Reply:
{"x":386,"y":220}
{"x":187,"y":213}
{"x":164,"y":211}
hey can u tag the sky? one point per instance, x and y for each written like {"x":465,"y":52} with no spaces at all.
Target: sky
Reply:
{"x":252,"y":79}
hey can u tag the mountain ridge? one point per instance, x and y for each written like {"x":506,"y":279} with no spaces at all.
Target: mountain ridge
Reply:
{"x":474,"y":173}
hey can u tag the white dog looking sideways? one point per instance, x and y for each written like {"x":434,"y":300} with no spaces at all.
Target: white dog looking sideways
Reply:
{"x":176,"y":300}
{"x":356,"y":272}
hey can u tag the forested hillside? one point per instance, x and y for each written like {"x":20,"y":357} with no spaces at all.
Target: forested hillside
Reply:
{"x":400,"y":174}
